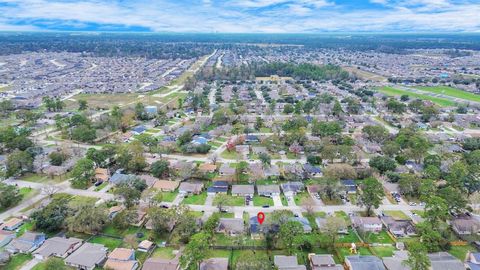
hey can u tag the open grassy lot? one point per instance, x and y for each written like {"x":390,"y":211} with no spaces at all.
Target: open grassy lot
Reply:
{"x":167,"y":196}
{"x":225,"y":240}
{"x":460,"y":252}
{"x":17,"y":261}
{"x":261,"y":201}
{"x":196,"y":199}
{"x":40,"y":178}
{"x":397,"y":92}
{"x":396,"y":214}
{"x":229,"y":155}
{"x":346,"y":252}
{"x":218,"y":253}
{"x":109,"y":242}
{"x":383,"y":251}
{"x":381,"y":237}
{"x":164,"y":253}
{"x":300,"y":198}
{"x":351,"y":237}
{"x":102,"y":101}
{"x":231,"y":201}
{"x":450,"y":91}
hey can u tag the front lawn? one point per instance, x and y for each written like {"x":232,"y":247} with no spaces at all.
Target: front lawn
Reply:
{"x":17,"y":261}
{"x":195,"y":199}
{"x":261,"y":201}
{"x":460,"y":252}
{"x":301,"y":197}
{"x":383,"y":251}
{"x":109,"y":242}
{"x":230,"y":200}
{"x":167,"y":196}
{"x":397,"y":214}
{"x":381,"y":237}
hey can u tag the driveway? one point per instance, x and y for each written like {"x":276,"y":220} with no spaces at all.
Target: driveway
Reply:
{"x":209,"y":200}
{"x":29,"y":265}
{"x":178,"y":199}
{"x":277,"y":201}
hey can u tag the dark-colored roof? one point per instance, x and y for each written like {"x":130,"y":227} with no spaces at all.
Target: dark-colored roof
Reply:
{"x":220,"y":184}
{"x":348,"y":182}
{"x":365,"y":263}
{"x":309,"y":168}
{"x":217,"y":189}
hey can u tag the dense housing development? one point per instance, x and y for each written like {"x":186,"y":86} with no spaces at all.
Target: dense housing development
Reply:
{"x":162,"y":157}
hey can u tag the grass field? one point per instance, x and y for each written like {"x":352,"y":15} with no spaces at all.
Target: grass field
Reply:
{"x":17,"y":261}
{"x":396,"y":214}
{"x":164,"y":253}
{"x":381,"y":237}
{"x":261,"y":201}
{"x":167,"y":196}
{"x":450,"y":91}
{"x":460,"y":252}
{"x":196,"y":199}
{"x":109,"y":242}
{"x":231,"y":201}
{"x":383,"y":251}
{"x":397,"y":92}
{"x":102,"y":101}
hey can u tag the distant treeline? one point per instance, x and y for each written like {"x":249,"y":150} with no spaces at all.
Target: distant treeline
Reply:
{"x":296,"y":71}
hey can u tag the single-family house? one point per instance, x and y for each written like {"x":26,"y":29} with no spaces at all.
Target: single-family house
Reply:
{"x":259,"y":150}
{"x":296,"y":169}
{"x":465,"y":225}
{"x":139,"y":130}
{"x":243,"y":190}
{"x":292,"y":188}
{"x":190,"y":188}
{"x":166,"y":185}
{"x":114,"y":210}
{"x":119,"y":178}
{"x":287,"y":263}
{"x":151,"y":111}
{"x":321,"y":224}
{"x":255,"y":169}
{"x":226,"y":170}
{"x":161,"y":264}
{"x":367,"y":224}
{"x":268,"y":190}
{"x":121,"y":259}
{"x":397,"y":261}
{"x":312,"y":171}
{"x":473,"y":260}
{"x":87,"y":257}
{"x":149,"y":180}
{"x":207,"y":168}
{"x":251,"y":139}
{"x":214,"y":264}
{"x":101,"y":175}
{"x":231,"y":226}
{"x":399,"y":228}
{"x":349,"y":185}
{"x":12,"y":224}
{"x":304,"y":222}
{"x":445,"y":261}
{"x":199,"y":140}
{"x":271,"y":171}
{"x":323,"y":262}
{"x":6,"y":237}
{"x":26,"y":243}
{"x":57,"y":246}
{"x":364,"y":263}
{"x":145,"y":246}
{"x":218,"y":187}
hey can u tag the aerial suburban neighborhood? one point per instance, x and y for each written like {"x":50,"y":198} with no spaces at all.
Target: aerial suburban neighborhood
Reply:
{"x":196,"y":155}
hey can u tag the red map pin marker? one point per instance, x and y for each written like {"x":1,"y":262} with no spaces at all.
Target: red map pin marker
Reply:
{"x":260,"y":217}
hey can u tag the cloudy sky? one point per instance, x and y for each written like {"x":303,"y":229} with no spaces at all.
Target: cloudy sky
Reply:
{"x":242,"y":16}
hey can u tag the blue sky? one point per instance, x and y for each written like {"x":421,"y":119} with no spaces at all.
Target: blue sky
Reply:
{"x":241,"y":16}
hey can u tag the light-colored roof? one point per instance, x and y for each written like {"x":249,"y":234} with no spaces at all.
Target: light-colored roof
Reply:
{"x":160,"y":264}
{"x":243,"y":189}
{"x":12,"y":222}
{"x":214,"y":264}
{"x":445,"y":261}
{"x":58,"y":246}
{"x":87,"y":255}
{"x":166,"y":185}
{"x":145,"y":244}
{"x":121,"y":254}
{"x":191,"y":187}
{"x":120,"y":265}
{"x":206,"y":167}
{"x":101,"y":173}
{"x":268,"y":189}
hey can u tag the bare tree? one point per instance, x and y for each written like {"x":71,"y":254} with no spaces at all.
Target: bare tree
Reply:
{"x":308,"y":204}
{"x":50,"y":190}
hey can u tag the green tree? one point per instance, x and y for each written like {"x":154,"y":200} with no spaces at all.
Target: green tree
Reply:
{"x":288,"y":233}
{"x":57,"y":158}
{"x":375,"y":133}
{"x":266,"y":159}
{"x":131,"y":158}
{"x":337,"y":109}
{"x":130,"y":195}
{"x":82,"y":105}
{"x":160,"y":168}
{"x":19,"y":162}
{"x":53,"y":263}
{"x":52,"y":217}
{"x":83,"y":173}
{"x":436,"y":210}
{"x":371,"y":194}
{"x":330,"y":230}
{"x":87,"y":218}
{"x":382,"y":164}
{"x":195,"y":251}
{"x":9,"y":196}
{"x":417,"y":256}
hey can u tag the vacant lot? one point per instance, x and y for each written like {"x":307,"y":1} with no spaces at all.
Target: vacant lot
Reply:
{"x":449,"y":91}
{"x":397,"y":92}
{"x":101,"y":101}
